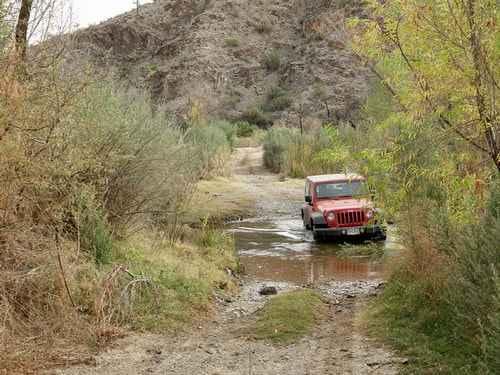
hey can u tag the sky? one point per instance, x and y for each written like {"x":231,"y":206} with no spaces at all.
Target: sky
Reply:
{"x":88,"y":12}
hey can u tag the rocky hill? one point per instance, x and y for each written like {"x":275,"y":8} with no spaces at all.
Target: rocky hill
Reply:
{"x":263,"y":60}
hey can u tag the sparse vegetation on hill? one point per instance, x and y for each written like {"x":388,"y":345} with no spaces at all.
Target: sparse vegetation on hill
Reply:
{"x":208,"y":50}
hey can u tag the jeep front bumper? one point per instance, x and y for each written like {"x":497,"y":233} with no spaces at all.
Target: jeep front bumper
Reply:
{"x":367,"y":231}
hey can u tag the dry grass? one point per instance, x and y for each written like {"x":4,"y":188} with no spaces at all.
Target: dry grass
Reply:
{"x":220,"y":199}
{"x":85,"y":165}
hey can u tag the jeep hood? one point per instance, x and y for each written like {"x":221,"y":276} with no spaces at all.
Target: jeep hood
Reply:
{"x":344,"y":204}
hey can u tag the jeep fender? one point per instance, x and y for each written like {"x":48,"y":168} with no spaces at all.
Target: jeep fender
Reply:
{"x":317,"y":218}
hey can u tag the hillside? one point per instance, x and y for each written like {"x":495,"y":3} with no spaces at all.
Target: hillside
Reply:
{"x":232,"y":57}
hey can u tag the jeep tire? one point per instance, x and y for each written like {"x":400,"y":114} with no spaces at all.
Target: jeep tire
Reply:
{"x":318,"y":236}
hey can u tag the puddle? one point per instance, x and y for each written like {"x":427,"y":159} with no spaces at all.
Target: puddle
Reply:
{"x":281,"y":250}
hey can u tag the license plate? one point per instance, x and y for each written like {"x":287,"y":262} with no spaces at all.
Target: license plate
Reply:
{"x":353,"y":231}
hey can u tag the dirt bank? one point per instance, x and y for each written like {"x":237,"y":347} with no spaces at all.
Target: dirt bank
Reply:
{"x":218,"y":346}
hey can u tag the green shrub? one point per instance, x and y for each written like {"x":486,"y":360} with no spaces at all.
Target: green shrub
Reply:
{"x":298,"y":155}
{"x":277,"y":99}
{"x":276,"y":143}
{"x":96,"y":238}
{"x":212,"y":147}
{"x":91,"y":228}
{"x":256,"y":117}
{"x":232,"y":42}
{"x":444,"y":310}
{"x":244,"y":129}
{"x":229,"y":129}
{"x":272,"y":60}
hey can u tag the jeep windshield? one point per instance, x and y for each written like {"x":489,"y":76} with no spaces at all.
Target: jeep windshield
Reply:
{"x":341,"y":189}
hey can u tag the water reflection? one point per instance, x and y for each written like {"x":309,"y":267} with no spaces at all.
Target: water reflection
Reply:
{"x":281,"y":250}
{"x":310,"y":269}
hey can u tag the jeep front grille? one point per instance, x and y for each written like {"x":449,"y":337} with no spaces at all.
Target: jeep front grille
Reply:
{"x":350,"y":218}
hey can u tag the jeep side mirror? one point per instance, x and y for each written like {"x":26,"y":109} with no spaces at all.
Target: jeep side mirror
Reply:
{"x":308,"y":199}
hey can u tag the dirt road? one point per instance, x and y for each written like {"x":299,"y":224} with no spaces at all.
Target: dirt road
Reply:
{"x":275,"y":251}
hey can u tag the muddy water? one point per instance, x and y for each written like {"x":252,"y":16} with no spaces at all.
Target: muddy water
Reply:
{"x":279,"y":249}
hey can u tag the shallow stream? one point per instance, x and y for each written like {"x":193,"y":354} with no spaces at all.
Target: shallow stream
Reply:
{"x":281,"y":250}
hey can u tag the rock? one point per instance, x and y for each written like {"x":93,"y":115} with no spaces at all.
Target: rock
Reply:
{"x":268,"y":291}
{"x":154,"y":351}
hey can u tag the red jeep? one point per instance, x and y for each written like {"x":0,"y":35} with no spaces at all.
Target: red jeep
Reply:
{"x":340,"y":205}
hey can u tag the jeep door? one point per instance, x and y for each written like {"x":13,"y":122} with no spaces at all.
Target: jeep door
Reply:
{"x":307,"y":208}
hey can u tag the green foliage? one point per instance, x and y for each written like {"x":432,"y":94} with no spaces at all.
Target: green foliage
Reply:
{"x":144,"y":171}
{"x":178,"y":280}
{"x":95,"y":236}
{"x":435,"y":55}
{"x":229,"y":129}
{"x":275,"y":145}
{"x":418,"y":146}
{"x":443,"y":311}
{"x":277,"y":99}
{"x":289,"y":316}
{"x":244,"y":129}
{"x":298,"y":155}
{"x":232,"y":42}
{"x":212,"y":143}
{"x":272,"y":60}
{"x":256,"y":117}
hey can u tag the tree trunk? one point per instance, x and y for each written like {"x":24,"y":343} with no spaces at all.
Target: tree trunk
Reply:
{"x":22,"y":29}
{"x":479,"y":83}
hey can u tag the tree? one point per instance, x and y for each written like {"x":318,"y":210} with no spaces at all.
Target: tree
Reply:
{"x":439,"y":58}
{"x":21,"y":34}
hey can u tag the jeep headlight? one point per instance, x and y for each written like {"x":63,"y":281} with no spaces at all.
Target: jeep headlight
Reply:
{"x":370,"y":214}
{"x":330,"y":216}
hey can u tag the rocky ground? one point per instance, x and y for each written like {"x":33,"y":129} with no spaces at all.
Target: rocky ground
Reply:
{"x":219,"y":346}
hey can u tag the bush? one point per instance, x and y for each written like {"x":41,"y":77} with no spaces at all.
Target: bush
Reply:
{"x":444,"y":309}
{"x":95,"y":236}
{"x":287,"y":151}
{"x":244,"y":129}
{"x":229,"y":129}
{"x":275,"y":145}
{"x":256,"y":117}
{"x":212,"y":147}
{"x":232,"y":42}
{"x":277,"y":99}
{"x":86,"y":165}
{"x":272,"y":60}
